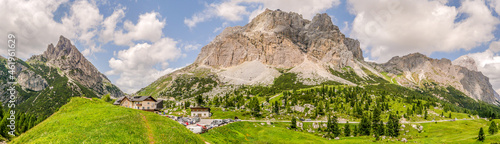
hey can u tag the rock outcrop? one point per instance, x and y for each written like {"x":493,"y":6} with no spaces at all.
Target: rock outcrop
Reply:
{"x":28,"y":79}
{"x":466,"y":62}
{"x":416,"y":69}
{"x":280,"y":39}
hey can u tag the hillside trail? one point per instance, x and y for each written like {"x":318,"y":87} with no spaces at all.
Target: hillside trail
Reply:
{"x":150,"y":132}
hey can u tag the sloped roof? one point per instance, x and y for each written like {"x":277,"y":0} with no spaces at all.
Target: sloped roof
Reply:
{"x":133,"y":99}
{"x":119,"y":100}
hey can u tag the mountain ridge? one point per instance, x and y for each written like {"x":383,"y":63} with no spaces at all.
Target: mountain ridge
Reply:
{"x":277,"y":42}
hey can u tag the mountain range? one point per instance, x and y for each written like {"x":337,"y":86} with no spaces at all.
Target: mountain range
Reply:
{"x":276,"y":43}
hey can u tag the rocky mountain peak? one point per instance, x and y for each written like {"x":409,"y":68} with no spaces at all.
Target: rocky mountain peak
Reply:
{"x":416,"y":69}
{"x":276,"y":21}
{"x":281,"y":39}
{"x":322,"y":22}
{"x":467,"y":62}
{"x":73,"y":64}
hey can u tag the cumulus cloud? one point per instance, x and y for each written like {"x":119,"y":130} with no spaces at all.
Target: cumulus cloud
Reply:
{"x":390,"y":28}
{"x":149,"y":27}
{"x":488,"y":62}
{"x":495,"y":4}
{"x":109,"y":24}
{"x":236,"y":10}
{"x":32,"y":23}
{"x":143,"y":63}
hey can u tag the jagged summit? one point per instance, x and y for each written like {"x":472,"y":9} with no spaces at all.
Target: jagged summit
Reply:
{"x":281,"y":39}
{"x":417,"y":69}
{"x":467,"y":62}
{"x":69,"y":59}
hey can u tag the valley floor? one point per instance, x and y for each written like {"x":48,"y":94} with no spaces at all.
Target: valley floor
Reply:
{"x":464,"y":131}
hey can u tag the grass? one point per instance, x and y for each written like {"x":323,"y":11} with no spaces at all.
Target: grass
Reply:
{"x":442,"y":132}
{"x":95,"y":121}
{"x":247,"y":132}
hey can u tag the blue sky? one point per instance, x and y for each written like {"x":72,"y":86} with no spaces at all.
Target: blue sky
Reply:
{"x":176,"y":30}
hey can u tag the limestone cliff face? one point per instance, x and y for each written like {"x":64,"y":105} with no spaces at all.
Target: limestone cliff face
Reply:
{"x":466,"y":62}
{"x":72,"y":63}
{"x":281,"y":39}
{"x":417,"y":69}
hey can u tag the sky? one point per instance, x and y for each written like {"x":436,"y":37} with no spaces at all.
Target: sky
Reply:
{"x":135,"y":42}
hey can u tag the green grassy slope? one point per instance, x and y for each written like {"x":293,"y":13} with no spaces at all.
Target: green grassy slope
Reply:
{"x":441,"y":132}
{"x":86,"y":121}
{"x":247,"y":132}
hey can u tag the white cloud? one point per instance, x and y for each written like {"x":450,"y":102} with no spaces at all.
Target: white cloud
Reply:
{"x":235,"y":10}
{"x":32,"y":23}
{"x":34,"y":26}
{"x":148,"y":28}
{"x":191,"y":47}
{"x":143,"y":63}
{"x":389,"y":28}
{"x":495,"y":4}
{"x":109,"y":25}
{"x":224,"y":25}
{"x":84,"y":22}
{"x":488,"y":62}
{"x":495,"y":46}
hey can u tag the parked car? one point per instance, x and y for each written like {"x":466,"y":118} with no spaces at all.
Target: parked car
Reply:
{"x":182,"y":123}
{"x":237,"y":120}
{"x":196,"y":129}
{"x":228,"y":121}
{"x":301,"y":119}
{"x":308,"y":119}
{"x":217,"y":122}
{"x":196,"y":119}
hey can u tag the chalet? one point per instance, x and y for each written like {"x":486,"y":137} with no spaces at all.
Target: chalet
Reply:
{"x":146,"y":103}
{"x":200,"y":112}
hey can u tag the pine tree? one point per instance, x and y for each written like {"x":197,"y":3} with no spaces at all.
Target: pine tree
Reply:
{"x":480,"y":137}
{"x":332,"y":126}
{"x":364,"y":126}
{"x":376,"y":122}
{"x":493,"y":128}
{"x":347,"y":129}
{"x":425,"y":114}
{"x":199,"y":100}
{"x":294,"y":123}
{"x":393,"y":126}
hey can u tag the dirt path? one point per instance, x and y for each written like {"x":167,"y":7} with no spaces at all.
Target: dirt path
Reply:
{"x":150,"y":132}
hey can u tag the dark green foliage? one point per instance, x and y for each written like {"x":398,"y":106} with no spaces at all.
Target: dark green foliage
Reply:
{"x":294,"y":123}
{"x":493,"y":128}
{"x":199,"y":100}
{"x":365,"y":126}
{"x":481,"y":136}
{"x":347,"y":129}
{"x":332,"y":126}
{"x":254,"y":106}
{"x":393,"y":126}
